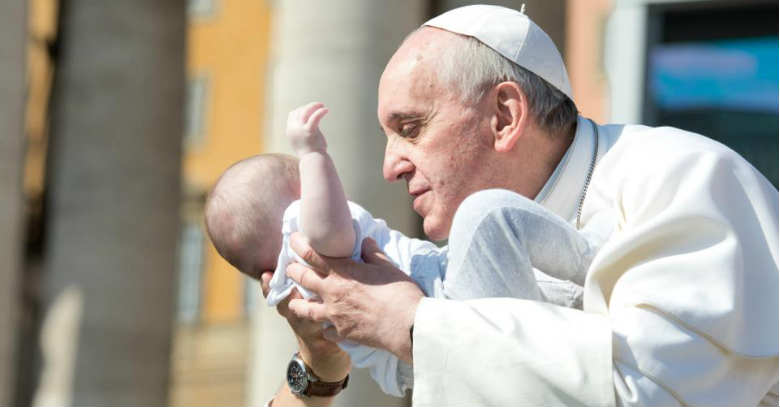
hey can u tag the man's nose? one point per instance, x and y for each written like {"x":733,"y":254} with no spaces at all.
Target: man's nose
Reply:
{"x":396,"y":163}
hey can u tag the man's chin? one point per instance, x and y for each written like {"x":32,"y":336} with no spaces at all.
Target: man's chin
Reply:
{"x":434,"y":230}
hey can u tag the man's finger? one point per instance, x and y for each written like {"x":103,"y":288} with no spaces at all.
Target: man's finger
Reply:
{"x":282,"y":306}
{"x":372,"y":254}
{"x":306,"y":309}
{"x":300,"y":245}
{"x":305,"y":276}
{"x":294,"y":294}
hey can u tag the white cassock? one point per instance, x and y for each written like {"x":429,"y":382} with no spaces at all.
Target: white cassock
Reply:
{"x":680,"y":304}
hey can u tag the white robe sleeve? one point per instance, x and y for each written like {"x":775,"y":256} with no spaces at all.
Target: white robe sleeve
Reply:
{"x":680,"y":305}
{"x":500,"y":351}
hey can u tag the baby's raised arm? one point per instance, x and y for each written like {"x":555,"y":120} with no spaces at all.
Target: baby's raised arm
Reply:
{"x":324,"y":218}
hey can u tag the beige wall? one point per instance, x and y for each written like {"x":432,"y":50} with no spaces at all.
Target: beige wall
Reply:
{"x":209,"y":365}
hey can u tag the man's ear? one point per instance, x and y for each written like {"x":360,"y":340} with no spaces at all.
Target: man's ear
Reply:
{"x":511,"y":115}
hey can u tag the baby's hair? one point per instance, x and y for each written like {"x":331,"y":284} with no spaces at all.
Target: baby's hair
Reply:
{"x":244,"y":209}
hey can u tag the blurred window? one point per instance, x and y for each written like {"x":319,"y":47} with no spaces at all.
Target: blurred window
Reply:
{"x":201,"y":8}
{"x":713,"y":69}
{"x":190,"y":272}
{"x":197,"y":100}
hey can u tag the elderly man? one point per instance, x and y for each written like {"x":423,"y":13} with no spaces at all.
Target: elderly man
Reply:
{"x":680,"y":305}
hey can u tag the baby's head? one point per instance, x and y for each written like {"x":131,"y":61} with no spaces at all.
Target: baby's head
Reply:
{"x":244,"y":210}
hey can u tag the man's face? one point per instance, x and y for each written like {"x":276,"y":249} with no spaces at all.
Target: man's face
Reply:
{"x":435,"y":142}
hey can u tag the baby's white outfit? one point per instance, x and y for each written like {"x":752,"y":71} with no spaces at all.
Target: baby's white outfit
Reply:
{"x":494,"y":240}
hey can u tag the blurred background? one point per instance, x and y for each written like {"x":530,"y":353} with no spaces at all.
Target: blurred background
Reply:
{"x":117,"y":117}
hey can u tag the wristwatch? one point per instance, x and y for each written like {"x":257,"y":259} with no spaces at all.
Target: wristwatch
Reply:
{"x":303,"y":382}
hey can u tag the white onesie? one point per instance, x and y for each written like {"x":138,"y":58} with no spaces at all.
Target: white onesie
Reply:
{"x":487,"y":256}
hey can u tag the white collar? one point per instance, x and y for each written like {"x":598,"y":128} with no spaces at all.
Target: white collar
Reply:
{"x":561,"y":193}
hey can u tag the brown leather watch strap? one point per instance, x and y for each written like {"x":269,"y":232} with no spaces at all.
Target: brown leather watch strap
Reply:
{"x":326,"y":389}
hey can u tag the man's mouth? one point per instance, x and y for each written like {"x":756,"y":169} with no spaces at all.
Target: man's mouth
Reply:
{"x":417,"y":194}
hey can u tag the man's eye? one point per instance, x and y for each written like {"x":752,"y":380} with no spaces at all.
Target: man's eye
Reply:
{"x":408,"y":130}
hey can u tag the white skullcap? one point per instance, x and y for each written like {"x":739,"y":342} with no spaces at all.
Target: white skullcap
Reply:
{"x":513,"y":35}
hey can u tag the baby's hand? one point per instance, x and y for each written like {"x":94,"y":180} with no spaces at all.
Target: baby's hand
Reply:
{"x":303,"y":128}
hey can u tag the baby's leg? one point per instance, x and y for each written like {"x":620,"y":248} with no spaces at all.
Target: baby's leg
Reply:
{"x":497,"y":239}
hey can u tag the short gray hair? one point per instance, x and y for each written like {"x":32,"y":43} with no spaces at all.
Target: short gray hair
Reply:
{"x":472,"y":68}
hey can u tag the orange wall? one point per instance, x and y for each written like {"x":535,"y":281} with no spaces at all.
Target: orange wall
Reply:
{"x":42,"y":20}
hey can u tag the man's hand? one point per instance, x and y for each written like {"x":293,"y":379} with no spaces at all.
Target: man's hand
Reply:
{"x":372,"y":303}
{"x":325,"y":358}
{"x":303,"y":128}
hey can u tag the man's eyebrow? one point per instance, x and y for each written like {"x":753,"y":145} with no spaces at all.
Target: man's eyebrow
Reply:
{"x":404,"y":116}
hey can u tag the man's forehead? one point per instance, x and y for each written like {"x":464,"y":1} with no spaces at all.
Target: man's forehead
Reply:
{"x":406,"y":100}
{"x":425,"y":40}
{"x":409,"y":82}
{"x":422,"y":46}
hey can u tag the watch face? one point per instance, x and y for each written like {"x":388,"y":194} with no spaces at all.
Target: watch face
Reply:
{"x":296,"y":376}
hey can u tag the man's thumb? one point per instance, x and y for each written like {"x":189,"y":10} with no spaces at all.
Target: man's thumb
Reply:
{"x":372,"y":254}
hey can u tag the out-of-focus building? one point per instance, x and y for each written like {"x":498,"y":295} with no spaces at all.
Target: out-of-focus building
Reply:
{"x":112,"y":193}
{"x":250,"y":62}
{"x":705,"y":66}
{"x":41,"y":35}
{"x":225,"y":350}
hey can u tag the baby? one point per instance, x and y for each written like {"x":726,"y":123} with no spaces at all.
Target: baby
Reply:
{"x":498,"y":243}
{"x":244,"y":211}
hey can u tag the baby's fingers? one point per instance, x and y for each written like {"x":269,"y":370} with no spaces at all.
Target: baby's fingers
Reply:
{"x":314,"y":120}
{"x":307,"y":110}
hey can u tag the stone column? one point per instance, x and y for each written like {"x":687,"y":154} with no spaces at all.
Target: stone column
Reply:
{"x":334,"y":52}
{"x":625,"y":52}
{"x":13,"y":41}
{"x":113,"y":208}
